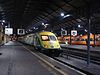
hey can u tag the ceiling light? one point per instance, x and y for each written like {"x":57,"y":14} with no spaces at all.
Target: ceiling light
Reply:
{"x":6,"y":26}
{"x":79,"y":26}
{"x":2,"y":23}
{"x":62,"y":14}
{"x":33,"y":27}
{"x":67,"y":15}
{"x":85,"y":30}
{"x":42,"y":23}
{"x":3,"y":20}
{"x":46,"y":24}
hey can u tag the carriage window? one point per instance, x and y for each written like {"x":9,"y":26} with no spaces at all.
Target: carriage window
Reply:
{"x":97,"y":39}
{"x":44,"y":37}
{"x":52,"y":38}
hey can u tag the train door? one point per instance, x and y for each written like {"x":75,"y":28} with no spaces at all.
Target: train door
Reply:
{"x":36,"y":42}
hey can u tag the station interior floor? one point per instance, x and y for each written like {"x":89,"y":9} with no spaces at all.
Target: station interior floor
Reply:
{"x":16,"y":60}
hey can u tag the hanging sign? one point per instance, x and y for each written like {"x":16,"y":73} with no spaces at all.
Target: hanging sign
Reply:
{"x":8,"y":31}
{"x":20,"y":31}
{"x":73,"y":32}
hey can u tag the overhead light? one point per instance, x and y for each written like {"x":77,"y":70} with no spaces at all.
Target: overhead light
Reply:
{"x":62,"y":29}
{"x":46,"y":24}
{"x":6,"y":26}
{"x":67,"y":15}
{"x":62,"y":14}
{"x":79,"y":26}
{"x":2,"y":23}
{"x":3,"y":20}
{"x":80,"y":34}
{"x":85,"y":30}
{"x":42,"y":23}
{"x":33,"y":27}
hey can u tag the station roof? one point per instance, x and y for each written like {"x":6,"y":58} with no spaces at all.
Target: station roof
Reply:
{"x":31,"y":14}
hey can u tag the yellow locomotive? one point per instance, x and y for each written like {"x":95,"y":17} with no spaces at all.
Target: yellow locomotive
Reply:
{"x":45,"y":42}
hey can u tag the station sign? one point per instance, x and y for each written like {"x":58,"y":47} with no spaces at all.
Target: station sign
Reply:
{"x":20,"y":31}
{"x":74,"y":32}
{"x":8,"y":31}
{"x":63,"y":32}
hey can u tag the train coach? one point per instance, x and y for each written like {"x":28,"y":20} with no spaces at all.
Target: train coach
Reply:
{"x":44,"y":41}
{"x":81,"y":40}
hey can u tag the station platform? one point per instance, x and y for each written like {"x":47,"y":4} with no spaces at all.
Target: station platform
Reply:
{"x":91,"y":69}
{"x":80,"y":64}
{"x":15,"y":60}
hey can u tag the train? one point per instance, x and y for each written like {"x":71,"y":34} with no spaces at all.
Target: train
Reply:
{"x":43,"y":41}
{"x":82,"y":39}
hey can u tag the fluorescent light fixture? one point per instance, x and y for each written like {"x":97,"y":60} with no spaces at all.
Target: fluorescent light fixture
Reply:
{"x":67,"y":15}
{"x":62,"y":14}
{"x":46,"y":24}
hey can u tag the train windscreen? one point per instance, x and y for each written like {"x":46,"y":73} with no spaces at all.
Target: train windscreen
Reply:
{"x":52,"y":38}
{"x":48,"y":38}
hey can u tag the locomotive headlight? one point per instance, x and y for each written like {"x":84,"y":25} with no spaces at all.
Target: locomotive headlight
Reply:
{"x":51,"y":42}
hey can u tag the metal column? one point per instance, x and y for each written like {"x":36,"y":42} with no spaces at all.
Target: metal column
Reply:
{"x":70,"y":37}
{"x":94,"y":37}
{"x":88,"y":33}
{"x":94,"y":40}
{"x":88,"y":43}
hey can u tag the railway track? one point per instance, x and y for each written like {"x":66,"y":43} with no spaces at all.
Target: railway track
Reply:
{"x":74,"y":67}
{"x":82,"y":54}
{"x":59,"y":67}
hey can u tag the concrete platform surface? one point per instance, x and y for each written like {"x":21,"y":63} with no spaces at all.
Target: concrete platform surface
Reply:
{"x":94,"y":69}
{"x":15,"y":60}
